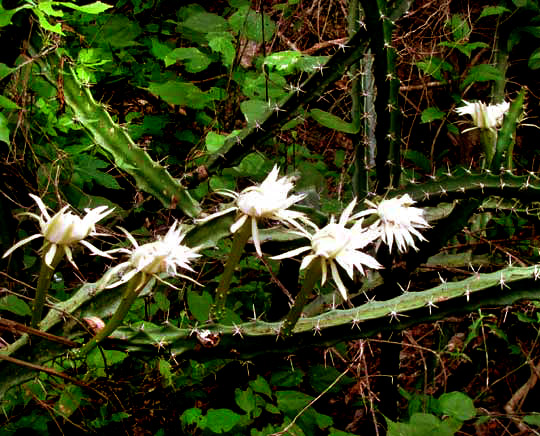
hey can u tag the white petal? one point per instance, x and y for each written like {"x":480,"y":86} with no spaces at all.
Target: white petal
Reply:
{"x":49,"y":256}
{"x":21,"y":243}
{"x":255,"y":236}
{"x":291,"y":253}
{"x":335,"y":275}
{"x":239,"y":223}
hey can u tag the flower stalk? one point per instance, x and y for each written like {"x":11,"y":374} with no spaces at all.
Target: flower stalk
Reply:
{"x":239,"y":242}
{"x":44,"y":282}
{"x":131,"y":292}
{"x":313,"y":274}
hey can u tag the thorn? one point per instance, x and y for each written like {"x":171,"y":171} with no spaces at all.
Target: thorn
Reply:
{"x":258,"y":126}
{"x":476,"y":272}
{"x":502,"y":282}
{"x":317,"y":328}
{"x":394,"y":315}
{"x":536,"y":272}
{"x":238,"y":331}
{"x":426,"y":195}
{"x":319,"y":66}
{"x":468,"y":292}
{"x":161,"y":344}
{"x":430,"y":305}
{"x":443,"y":191}
{"x":356,"y":322}
{"x":405,"y":291}
{"x":482,"y":186}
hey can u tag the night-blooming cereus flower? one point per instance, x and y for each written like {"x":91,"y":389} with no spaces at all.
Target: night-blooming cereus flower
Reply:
{"x":337,"y":244}
{"x":164,"y":255}
{"x":397,"y":220}
{"x":268,"y":201}
{"x":484,"y":116}
{"x":64,"y":229}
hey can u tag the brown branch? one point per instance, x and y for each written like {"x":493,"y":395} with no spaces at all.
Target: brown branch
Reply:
{"x":13,"y":326}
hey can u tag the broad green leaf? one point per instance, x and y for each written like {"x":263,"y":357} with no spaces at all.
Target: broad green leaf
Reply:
{"x":457,"y":405}
{"x":194,"y":60}
{"x":481,"y":73}
{"x":223,"y":43}
{"x":199,"y":304}
{"x":88,"y":169}
{"x":214,"y":141}
{"x":254,"y":111}
{"x":92,"y":8}
{"x":4,"y":129}
{"x":180,"y":93}
{"x":419,"y":160}
{"x":15,"y":305}
{"x":221,"y":420}
{"x":467,"y":48}
{"x":47,"y":8}
{"x":248,"y":23}
{"x":43,"y":22}
{"x":435,"y":67}
{"x":261,"y":386}
{"x":460,"y":28}
{"x":431,"y":114}
{"x":5,"y":70}
{"x":204,"y":22}
{"x":534,"y":60}
{"x":287,"y":378}
{"x":333,"y":122}
{"x":70,"y":400}
{"x":6,"y":14}
{"x":119,"y":32}
{"x":320,"y":377}
{"x":165,"y":371}
{"x":159,"y":49}
{"x":245,"y":399}
{"x":291,"y":402}
{"x":218,"y":183}
{"x":284,"y":61}
{"x":493,"y":10}
{"x":193,"y":417}
{"x":532,"y":419}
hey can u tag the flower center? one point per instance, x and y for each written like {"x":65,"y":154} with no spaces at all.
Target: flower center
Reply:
{"x":331,"y":240}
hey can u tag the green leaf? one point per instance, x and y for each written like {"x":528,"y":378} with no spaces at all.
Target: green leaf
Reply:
{"x":532,"y":419}
{"x":431,"y":114}
{"x":457,"y":405}
{"x":92,"y":8}
{"x":119,"y":32}
{"x":5,"y":70}
{"x":248,"y":23}
{"x":254,"y":111}
{"x":222,"y":420}
{"x":15,"y":305}
{"x":88,"y":169}
{"x":43,"y":22}
{"x":180,"y":93}
{"x":47,"y":8}
{"x":460,"y":28}
{"x":204,"y":22}
{"x":214,"y":141}
{"x":287,"y":378}
{"x":223,"y":43}
{"x":291,"y":402}
{"x":261,"y":386}
{"x":70,"y":400}
{"x":194,"y":60}
{"x":193,"y":417}
{"x":284,"y":61}
{"x":331,"y":121}
{"x":481,"y":73}
{"x":4,"y":129}
{"x":165,"y":372}
{"x":493,"y":10}
{"x":534,"y":60}
{"x":435,"y":67}
{"x":245,"y":399}
{"x":199,"y":304}
{"x":6,"y":14}
{"x":419,"y":159}
{"x":218,"y":183}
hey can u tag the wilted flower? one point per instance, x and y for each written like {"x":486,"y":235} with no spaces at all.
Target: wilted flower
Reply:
{"x":484,"y":116}
{"x":398,"y":221}
{"x":64,"y":229}
{"x":336,"y":243}
{"x":164,"y":255}
{"x":268,"y":201}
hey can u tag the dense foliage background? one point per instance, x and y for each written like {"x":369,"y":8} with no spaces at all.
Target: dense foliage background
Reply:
{"x":154,"y":107}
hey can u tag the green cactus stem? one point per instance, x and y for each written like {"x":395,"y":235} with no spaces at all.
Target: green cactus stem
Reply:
{"x":249,"y":339}
{"x":150,"y":176}
{"x":506,"y":137}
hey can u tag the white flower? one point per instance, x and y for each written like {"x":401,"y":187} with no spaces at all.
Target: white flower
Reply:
{"x":336,"y":243}
{"x":64,"y":229}
{"x":268,"y":201}
{"x":164,"y":255}
{"x":398,"y":221}
{"x":484,"y":116}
